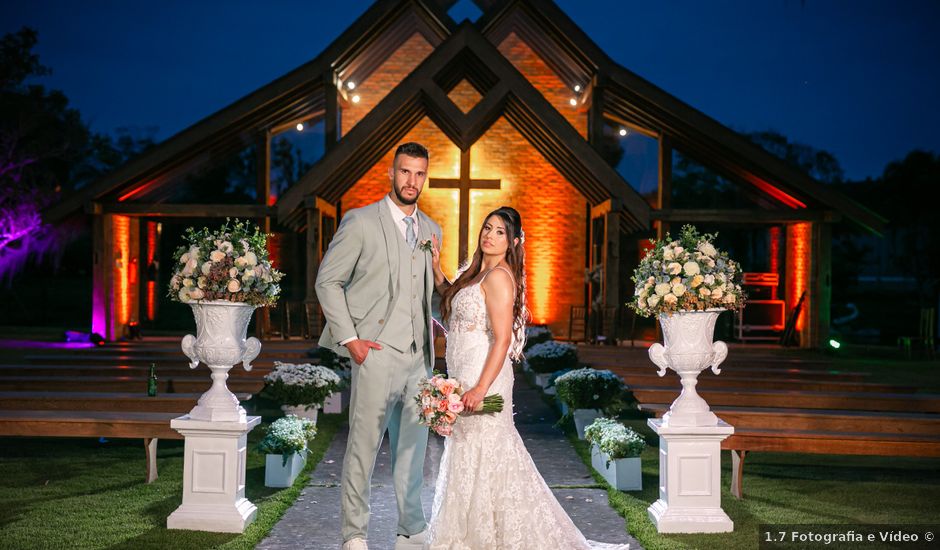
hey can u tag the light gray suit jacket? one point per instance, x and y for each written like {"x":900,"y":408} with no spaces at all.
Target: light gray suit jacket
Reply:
{"x":357,"y":283}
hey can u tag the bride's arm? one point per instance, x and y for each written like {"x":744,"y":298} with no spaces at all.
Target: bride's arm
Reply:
{"x":498,"y":292}
{"x":440,"y":281}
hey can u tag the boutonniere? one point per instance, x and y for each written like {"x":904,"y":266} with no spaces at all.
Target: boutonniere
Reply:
{"x":425,"y":245}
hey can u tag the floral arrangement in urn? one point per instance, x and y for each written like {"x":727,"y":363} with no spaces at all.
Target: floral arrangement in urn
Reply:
{"x":230,"y":263}
{"x":686,"y":274}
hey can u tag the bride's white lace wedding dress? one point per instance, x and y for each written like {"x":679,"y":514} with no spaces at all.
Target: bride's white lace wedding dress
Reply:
{"x":489,"y":494}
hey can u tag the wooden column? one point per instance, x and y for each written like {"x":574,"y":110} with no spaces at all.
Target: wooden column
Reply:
{"x":331,"y":108}
{"x":821,"y":285}
{"x":318,"y":212}
{"x":664,"y":194}
{"x":263,"y":191}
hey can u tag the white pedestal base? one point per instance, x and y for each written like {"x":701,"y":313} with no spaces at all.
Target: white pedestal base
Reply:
{"x":690,"y":479}
{"x":215,"y":455}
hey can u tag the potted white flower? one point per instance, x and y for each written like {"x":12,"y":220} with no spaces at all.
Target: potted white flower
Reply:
{"x":536,"y":334}
{"x":615,"y":453}
{"x":336,"y":401}
{"x":223,"y":275}
{"x":285,"y":445}
{"x":587,"y":392}
{"x":300,"y":389}
{"x":687,"y":282}
{"x":549,"y":357}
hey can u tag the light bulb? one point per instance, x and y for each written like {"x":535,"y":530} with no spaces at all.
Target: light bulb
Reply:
{"x":300,"y":126}
{"x":573,"y":102}
{"x":577,"y":87}
{"x":623,"y":131}
{"x":356,"y":98}
{"x":351,"y":85}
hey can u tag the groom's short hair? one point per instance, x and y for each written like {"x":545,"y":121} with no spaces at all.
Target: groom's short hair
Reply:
{"x":412,"y":149}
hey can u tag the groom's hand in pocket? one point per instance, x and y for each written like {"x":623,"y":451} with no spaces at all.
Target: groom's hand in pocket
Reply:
{"x":359,"y":349}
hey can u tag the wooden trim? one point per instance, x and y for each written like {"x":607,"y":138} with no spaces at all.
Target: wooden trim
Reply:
{"x":159,"y":210}
{"x":743,"y":216}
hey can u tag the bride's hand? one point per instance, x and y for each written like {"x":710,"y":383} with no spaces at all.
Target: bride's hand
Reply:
{"x":473,"y":398}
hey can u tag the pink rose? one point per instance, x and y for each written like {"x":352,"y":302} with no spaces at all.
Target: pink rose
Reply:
{"x":455,"y":407}
{"x":445,"y":430}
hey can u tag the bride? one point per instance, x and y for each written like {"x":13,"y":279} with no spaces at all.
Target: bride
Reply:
{"x":489,"y":494}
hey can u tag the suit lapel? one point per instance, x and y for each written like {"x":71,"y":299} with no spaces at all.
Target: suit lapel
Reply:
{"x":392,"y":236}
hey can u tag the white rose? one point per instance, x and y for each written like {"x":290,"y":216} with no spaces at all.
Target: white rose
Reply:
{"x":707,"y":248}
{"x":226,"y":247}
{"x":668,"y":254}
{"x":678,"y":250}
{"x":266,"y":277}
{"x":729,"y":299}
{"x":697,"y":280}
{"x":641,"y":302}
{"x":662,"y":289}
{"x":241,"y":262}
{"x":653,"y":300}
{"x":184,"y":294}
{"x":197,"y":294}
{"x":691,"y":268}
{"x":232,"y":272}
{"x":704,"y":292}
{"x":674,"y":268}
{"x":716,"y":294}
{"x":190,"y":266}
{"x":251,"y":258}
{"x":710,"y":262}
{"x":710,"y":279}
{"x":720,"y":277}
{"x":234,"y":285}
{"x":670,"y":299}
{"x":187,"y":283}
{"x":184,"y":258}
{"x":247,"y":277}
{"x":216,"y":255}
{"x":206,"y":268}
{"x":201,"y":282}
{"x":678,"y":289}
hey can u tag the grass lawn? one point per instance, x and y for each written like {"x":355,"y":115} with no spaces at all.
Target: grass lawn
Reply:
{"x":78,"y":493}
{"x":783,"y":488}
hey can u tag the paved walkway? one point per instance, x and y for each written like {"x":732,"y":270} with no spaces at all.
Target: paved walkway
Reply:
{"x":314,"y":520}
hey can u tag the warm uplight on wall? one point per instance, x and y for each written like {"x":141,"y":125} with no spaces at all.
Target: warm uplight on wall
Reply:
{"x":356,"y":98}
{"x":121,"y":242}
{"x":300,"y":126}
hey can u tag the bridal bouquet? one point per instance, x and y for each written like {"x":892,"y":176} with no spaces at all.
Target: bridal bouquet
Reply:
{"x":230,"y":263}
{"x":439,"y":399}
{"x":687,"y":273}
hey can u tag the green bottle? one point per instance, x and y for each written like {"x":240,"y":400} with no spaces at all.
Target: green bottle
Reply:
{"x":152,"y":381}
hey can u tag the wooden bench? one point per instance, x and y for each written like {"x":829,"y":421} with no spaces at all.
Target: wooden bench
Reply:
{"x":188,"y":384}
{"x":150,"y":426}
{"x":745,"y":381}
{"x":819,"y":431}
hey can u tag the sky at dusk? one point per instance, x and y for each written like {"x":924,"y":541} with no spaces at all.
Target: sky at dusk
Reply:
{"x":858,"y":78}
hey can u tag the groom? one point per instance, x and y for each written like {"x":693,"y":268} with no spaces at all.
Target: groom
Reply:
{"x":374,"y":286}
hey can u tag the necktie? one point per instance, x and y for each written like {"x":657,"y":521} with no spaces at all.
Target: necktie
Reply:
{"x":410,"y":237}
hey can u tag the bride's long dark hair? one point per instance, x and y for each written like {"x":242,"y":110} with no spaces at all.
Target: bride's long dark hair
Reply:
{"x":515,"y":257}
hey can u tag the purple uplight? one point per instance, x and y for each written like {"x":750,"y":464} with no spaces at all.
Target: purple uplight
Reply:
{"x":16,"y":344}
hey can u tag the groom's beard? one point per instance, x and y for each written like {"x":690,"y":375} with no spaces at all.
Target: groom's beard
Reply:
{"x":404,"y":200}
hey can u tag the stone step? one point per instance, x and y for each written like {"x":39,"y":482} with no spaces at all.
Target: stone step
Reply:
{"x":728,"y":380}
{"x":165,"y":384}
{"x":99,"y":401}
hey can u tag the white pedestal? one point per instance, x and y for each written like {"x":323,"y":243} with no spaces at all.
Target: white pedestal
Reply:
{"x":215,"y":459}
{"x":690,"y":479}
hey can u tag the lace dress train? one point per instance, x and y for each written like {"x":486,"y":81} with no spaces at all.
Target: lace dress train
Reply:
{"x":489,"y":494}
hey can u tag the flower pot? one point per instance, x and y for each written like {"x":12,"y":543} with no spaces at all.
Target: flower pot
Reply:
{"x":302,"y":412}
{"x":623,"y":474}
{"x":562,"y":406}
{"x":220,"y":343}
{"x":334,"y":403}
{"x":278,"y":474}
{"x":688,"y":349}
{"x":584,"y":418}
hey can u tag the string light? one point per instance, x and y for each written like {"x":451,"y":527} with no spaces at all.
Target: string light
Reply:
{"x":356,"y":98}
{"x":577,"y":88}
{"x":573,"y":102}
{"x":300,"y":126}
{"x":351,"y":85}
{"x":623,"y":131}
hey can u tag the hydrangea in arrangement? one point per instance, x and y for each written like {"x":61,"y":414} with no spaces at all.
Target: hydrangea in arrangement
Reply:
{"x":589,"y":388}
{"x":288,"y":435}
{"x":536,"y":334}
{"x":552,"y":356}
{"x":300,"y":385}
{"x":230,"y":263}
{"x":686,"y":274}
{"x":614,"y":439}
